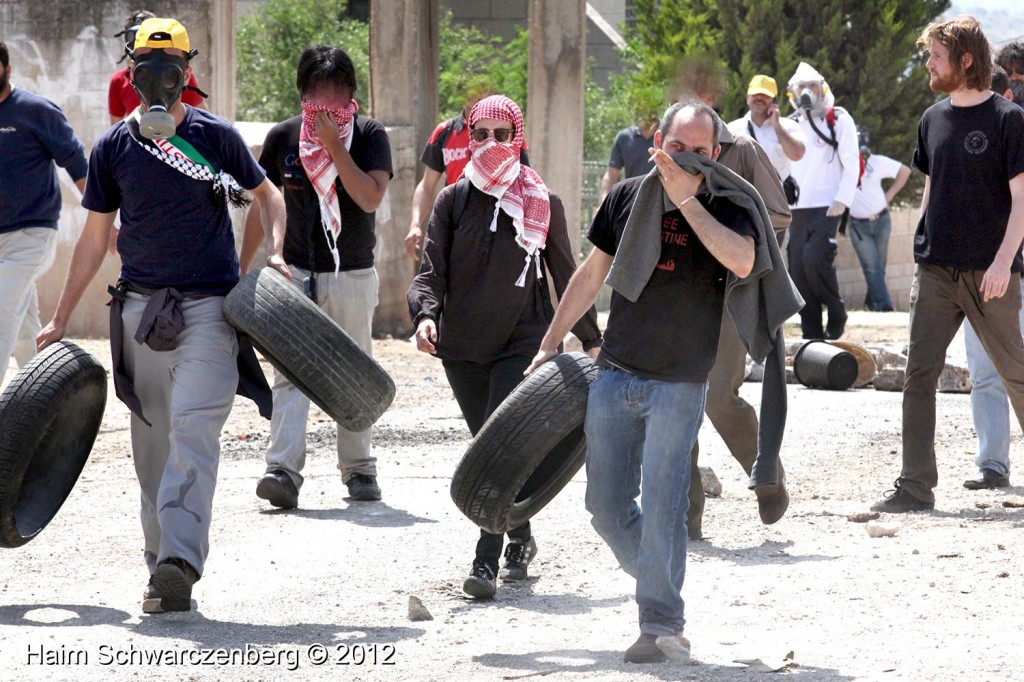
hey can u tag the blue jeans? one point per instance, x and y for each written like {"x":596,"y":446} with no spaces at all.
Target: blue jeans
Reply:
{"x":639,"y":436}
{"x":870,"y":239}
{"x":989,"y":405}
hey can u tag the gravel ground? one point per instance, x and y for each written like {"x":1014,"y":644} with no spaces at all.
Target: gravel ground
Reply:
{"x":815,"y":593}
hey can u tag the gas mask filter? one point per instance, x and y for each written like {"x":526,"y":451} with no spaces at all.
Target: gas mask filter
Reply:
{"x":806,"y":98}
{"x":159,"y":79}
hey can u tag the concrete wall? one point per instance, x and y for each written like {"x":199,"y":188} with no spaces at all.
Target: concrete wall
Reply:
{"x":65,"y":50}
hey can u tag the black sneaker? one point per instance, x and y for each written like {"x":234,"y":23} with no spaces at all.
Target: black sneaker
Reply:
{"x":480,"y":583}
{"x":899,"y":501}
{"x":987,"y":480}
{"x":277,"y":488}
{"x":834,"y":329}
{"x":518,"y":555}
{"x":172,"y":583}
{"x":363,"y":487}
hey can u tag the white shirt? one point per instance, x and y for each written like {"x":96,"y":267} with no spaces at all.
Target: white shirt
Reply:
{"x":769,"y":140}
{"x":870,"y":197}
{"x":823,"y":174}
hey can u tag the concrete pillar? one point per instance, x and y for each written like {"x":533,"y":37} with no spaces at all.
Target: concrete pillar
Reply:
{"x":222,"y":53}
{"x":403,"y":84}
{"x":554,"y":126}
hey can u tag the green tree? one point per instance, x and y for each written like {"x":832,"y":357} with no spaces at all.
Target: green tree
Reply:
{"x":865,"y":50}
{"x":465,"y":56}
{"x":268,"y":46}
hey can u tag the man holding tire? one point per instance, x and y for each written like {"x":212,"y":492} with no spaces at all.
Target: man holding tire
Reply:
{"x":172,"y":171}
{"x":646,"y":405}
{"x":334,"y":167}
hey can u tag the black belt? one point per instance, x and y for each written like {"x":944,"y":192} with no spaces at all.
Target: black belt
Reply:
{"x":876,"y":216}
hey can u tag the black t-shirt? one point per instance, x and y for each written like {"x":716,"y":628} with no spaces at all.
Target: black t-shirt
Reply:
{"x":970,"y":154}
{"x":671,"y":332}
{"x":467,"y":282}
{"x":371,"y":150}
{"x":173,"y":232}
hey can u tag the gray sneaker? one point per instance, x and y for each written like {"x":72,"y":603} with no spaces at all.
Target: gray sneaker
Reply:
{"x":277,"y":488}
{"x":518,"y":555}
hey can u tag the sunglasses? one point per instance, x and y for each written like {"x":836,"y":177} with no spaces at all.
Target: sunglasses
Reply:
{"x":503,"y":135}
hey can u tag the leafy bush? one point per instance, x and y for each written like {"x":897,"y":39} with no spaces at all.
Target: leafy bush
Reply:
{"x":268,"y":45}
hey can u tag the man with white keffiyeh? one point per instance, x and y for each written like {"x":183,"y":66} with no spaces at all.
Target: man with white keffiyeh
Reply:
{"x":334,"y":167}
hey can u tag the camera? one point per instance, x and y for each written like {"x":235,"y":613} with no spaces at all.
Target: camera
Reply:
{"x":309,"y":287}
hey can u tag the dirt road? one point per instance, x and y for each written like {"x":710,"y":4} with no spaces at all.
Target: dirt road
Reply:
{"x":941,"y":600}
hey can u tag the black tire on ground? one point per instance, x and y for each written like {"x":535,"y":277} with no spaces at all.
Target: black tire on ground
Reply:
{"x":310,"y":349}
{"x":50,"y":416}
{"x":529,"y":448}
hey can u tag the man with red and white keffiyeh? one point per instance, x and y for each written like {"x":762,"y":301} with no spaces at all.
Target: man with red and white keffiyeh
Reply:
{"x":480,"y":301}
{"x":334,"y":167}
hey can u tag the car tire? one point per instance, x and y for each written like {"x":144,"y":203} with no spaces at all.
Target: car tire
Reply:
{"x":309,"y":348}
{"x":529,"y":448}
{"x":51,"y":414}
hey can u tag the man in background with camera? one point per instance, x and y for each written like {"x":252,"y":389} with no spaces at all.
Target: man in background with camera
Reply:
{"x":780,"y":137}
{"x":334,"y":167}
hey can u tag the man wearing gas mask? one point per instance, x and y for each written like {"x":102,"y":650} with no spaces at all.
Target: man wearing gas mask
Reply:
{"x":172,"y":171}
{"x":827,"y":176}
{"x":121,"y":97}
{"x":334,"y":166}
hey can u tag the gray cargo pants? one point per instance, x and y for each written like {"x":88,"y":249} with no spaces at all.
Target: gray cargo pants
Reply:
{"x":186,"y":394}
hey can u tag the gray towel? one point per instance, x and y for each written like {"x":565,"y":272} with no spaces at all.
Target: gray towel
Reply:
{"x":759,"y":303}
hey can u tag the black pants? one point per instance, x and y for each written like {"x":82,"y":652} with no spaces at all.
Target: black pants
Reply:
{"x":479,"y":389}
{"x":812,"y":255}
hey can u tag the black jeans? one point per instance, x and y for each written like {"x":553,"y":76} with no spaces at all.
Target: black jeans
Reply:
{"x":812,"y":254}
{"x":479,"y":389}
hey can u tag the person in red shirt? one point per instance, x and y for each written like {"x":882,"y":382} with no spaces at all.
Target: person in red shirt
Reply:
{"x":121,"y":96}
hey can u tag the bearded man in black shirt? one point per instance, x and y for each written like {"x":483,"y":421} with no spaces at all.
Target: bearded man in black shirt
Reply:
{"x":968,"y":243}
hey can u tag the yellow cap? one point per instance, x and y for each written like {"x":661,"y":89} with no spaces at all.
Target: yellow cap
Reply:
{"x":763,"y":85}
{"x":162,"y":34}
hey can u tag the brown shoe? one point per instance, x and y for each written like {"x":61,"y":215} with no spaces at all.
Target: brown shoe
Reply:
{"x":645,"y":650}
{"x":151,"y":599}
{"x":772,"y":502}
